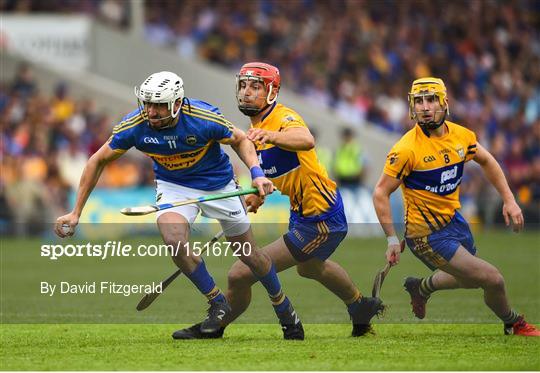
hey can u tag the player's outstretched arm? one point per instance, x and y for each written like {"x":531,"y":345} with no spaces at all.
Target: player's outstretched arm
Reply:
{"x":381,"y":200}
{"x":246,"y":151}
{"x":293,"y":138}
{"x":89,"y":178}
{"x":511,"y":211}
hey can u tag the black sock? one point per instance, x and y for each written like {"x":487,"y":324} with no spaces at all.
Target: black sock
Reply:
{"x":511,"y":318}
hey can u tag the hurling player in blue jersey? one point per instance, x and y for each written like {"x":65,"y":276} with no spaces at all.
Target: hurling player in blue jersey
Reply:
{"x":183,"y":137}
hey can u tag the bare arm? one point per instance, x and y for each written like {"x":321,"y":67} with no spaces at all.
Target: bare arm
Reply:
{"x":294,"y":138}
{"x":243,"y":147}
{"x":246,"y":151}
{"x":381,"y":200}
{"x":89,"y":178}
{"x":494,"y":173}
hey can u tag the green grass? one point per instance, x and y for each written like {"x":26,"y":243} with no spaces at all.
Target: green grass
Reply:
{"x":259,"y":347}
{"x":104,"y":332}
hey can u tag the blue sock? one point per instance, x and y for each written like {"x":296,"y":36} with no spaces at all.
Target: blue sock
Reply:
{"x":271,"y":283}
{"x":282,"y":306}
{"x":205,"y":283}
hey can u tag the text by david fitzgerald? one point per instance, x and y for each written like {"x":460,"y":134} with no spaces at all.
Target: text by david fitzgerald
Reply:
{"x":103,"y":287}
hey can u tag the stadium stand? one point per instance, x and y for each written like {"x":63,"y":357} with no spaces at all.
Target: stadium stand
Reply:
{"x":355,"y":58}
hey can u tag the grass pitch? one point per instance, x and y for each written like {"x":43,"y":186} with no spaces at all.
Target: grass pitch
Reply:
{"x":98,"y":332}
{"x":259,"y":347}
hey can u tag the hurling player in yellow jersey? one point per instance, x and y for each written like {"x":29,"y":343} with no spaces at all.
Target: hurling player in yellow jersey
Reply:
{"x":427,"y":162}
{"x":317,"y":222}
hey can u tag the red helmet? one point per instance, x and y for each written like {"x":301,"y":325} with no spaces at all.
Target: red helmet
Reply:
{"x":268,"y":73}
{"x":270,"y":77}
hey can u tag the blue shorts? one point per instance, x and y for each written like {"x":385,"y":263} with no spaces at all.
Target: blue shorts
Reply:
{"x":316,"y":236}
{"x":439,"y":247}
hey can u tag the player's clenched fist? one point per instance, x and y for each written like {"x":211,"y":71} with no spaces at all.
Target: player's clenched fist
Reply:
{"x":65,"y":225}
{"x":254,"y":202}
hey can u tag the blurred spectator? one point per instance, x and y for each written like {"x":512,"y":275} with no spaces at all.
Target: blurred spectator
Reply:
{"x":24,"y":84}
{"x":357,"y":58}
{"x":46,"y":142}
{"x":348,"y":161}
{"x":71,"y":161}
{"x":62,"y":105}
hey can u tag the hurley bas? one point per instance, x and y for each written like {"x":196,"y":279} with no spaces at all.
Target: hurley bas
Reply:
{"x":103,"y":287}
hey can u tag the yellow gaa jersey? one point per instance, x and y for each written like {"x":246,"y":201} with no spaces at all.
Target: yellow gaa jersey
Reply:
{"x":431,"y":169}
{"x":297,"y":174}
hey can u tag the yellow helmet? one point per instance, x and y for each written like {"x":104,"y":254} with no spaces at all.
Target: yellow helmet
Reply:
{"x":428,"y":86}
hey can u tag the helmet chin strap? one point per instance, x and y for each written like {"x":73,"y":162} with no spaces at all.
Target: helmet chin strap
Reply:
{"x":432,"y":125}
{"x":251,"y":111}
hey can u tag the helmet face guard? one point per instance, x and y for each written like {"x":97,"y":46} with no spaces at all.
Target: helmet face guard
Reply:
{"x":425,"y":88}
{"x":161,"y":88}
{"x":263,"y":73}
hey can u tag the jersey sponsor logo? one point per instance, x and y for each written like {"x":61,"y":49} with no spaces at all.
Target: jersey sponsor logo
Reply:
{"x":270,"y":171}
{"x":449,"y":174}
{"x":191,"y":139}
{"x":278,"y":161}
{"x":442,"y":181}
{"x":445,"y":151}
{"x":151,"y":140}
{"x":429,"y":158}
{"x":181,"y":160}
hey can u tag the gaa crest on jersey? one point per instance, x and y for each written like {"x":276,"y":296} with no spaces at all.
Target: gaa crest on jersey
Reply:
{"x":191,"y":139}
{"x":461,"y":152}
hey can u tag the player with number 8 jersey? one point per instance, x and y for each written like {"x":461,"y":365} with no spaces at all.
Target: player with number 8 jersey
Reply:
{"x":427,"y":162}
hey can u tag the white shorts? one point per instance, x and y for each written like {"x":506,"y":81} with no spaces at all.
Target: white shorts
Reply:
{"x":230,"y":212}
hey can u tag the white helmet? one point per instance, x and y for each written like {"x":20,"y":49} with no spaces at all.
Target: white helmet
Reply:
{"x":163,"y":87}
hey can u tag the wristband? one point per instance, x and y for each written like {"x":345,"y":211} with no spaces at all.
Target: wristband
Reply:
{"x":392,"y":240}
{"x":256,"y":172}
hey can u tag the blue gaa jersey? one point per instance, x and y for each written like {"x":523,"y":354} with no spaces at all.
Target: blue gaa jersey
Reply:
{"x":187,"y":154}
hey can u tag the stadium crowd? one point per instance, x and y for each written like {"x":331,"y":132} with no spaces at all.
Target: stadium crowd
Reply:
{"x":46,"y":141}
{"x":354,"y":57}
{"x":358,"y":58}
